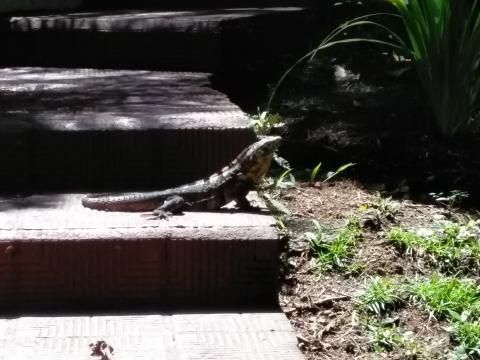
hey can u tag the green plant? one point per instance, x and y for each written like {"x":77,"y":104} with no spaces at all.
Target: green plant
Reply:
{"x":355,"y":269}
{"x":388,"y":338}
{"x":453,"y":247}
{"x":381,"y":295}
{"x":443,"y":38}
{"x":450,"y":200}
{"x":442,"y":296}
{"x":332,"y":252}
{"x":467,"y":335}
{"x":281,"y":227}
{"x":386,"y":206}
{"x":331,"y":174}
{"x":285,"y":180}
{"x":314,"y":172}
{"x":406,"y":240}
{"x":264,"y":121}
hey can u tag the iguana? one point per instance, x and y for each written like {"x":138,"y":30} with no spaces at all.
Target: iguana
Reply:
{"x":233,"y":182}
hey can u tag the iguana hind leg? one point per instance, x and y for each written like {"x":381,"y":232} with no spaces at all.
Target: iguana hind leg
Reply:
{"x":171,"y":205}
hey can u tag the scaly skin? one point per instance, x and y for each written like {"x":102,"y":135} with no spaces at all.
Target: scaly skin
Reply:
{"x":233,"y":182}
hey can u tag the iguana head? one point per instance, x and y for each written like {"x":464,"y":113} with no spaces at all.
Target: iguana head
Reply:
{"x":255,"y":160}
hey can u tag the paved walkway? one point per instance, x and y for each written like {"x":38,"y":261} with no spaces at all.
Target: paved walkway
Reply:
{"x":230,"y":336}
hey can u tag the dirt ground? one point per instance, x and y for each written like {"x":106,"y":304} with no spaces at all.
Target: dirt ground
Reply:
{"x":322,"y":306}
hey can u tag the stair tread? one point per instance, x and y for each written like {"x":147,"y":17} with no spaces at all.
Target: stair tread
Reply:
{"x":62,"y":217}
{"x":221,"y":336}
{"x":88,"y":99}
{"x":193,"y":20}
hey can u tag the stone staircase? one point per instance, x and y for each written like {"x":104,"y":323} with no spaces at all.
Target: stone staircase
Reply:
{"x":107,"y":100}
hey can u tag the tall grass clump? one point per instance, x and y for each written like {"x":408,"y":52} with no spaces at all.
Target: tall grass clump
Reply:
{"x":443,"y":40}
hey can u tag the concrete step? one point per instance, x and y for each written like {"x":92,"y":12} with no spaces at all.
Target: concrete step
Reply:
{"x":221,"y":336}
{"x":193,"y":40}
{"x":92,"y":129}
{"x":55,"y":254}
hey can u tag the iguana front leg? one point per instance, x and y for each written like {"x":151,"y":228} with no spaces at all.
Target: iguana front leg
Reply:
{"x":239,"y":193}
{"x":244,"y":204}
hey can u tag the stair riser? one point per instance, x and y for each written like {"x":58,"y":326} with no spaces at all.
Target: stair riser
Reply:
{"x":123,"y":50}
{"x":116,"y":274}
{"x":43,"y":160}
